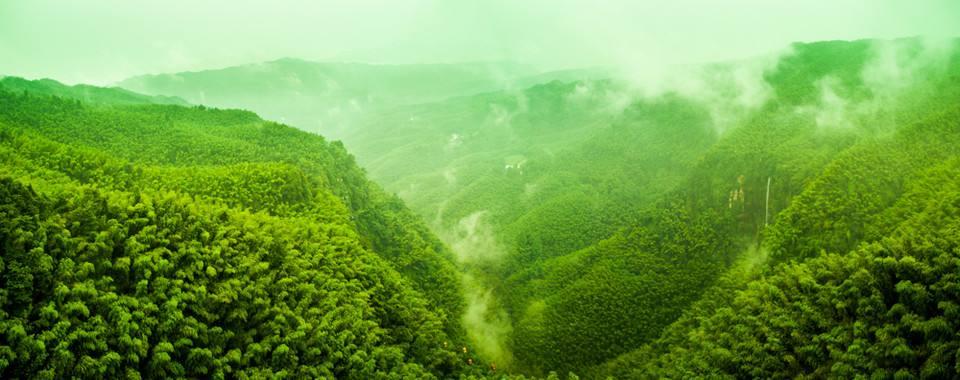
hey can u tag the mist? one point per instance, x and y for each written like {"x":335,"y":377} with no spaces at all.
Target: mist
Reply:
{"x":102,"y":42}
{"x":441,"y":189}
{"x":488,"y":326}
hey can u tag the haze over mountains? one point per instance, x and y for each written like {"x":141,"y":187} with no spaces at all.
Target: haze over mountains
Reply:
{"x":329,"y":97}
{"x":729,"y":190}
{"x":586,"y":210}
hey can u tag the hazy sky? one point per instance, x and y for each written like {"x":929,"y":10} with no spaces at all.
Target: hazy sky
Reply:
{"x":108,"y":40}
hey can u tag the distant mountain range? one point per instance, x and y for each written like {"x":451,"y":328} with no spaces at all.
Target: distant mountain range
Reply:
{"x":327,"y":97}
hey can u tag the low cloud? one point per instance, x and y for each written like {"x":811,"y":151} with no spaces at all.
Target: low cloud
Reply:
{"x":487,"y":324}
{"x":894,"y":69}
{"x":896,"y":65}
{"x":474,"y":240}
{"x":833,"y":111}
{"x":728,"y":90}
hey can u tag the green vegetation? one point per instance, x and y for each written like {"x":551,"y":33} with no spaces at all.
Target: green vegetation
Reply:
{"x":618,"y":226}
{"x":84,"y":92}
{"x":791,"y":216}
{"x":837,"y":186}
{"x":618,"y":223}
{"x":887,"y":309}
{"x":166,"y":241}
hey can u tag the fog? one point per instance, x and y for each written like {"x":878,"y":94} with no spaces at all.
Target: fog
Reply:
{"x":102,"y":42}
{"x":550,"y":195}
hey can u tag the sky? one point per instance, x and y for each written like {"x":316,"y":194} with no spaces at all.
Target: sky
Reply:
{"x":105,"y":41}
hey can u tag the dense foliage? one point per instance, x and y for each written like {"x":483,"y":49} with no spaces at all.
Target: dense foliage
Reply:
{"x":887,"y":309}
{"x":84,"y":92}
{"x":611,"y":235}
{"x":164,"y":241}
{"x":617,"y":225}
{"x":861,"y":261}
{"x":799,"y":224}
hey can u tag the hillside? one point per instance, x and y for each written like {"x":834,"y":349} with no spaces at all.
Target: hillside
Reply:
{"x":793,"y":215}
{"x":596,"y":228}
{"x":175,"y":241}
{"x":605,"y":298}
{"x":885,"y":307}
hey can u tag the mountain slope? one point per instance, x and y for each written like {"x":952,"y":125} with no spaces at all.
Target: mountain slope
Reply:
{"x":176,"y":241}
{"x":887,"y":309}
{"x":866,"y":199}
{"x":598,"y":226}
{"x":587,"y":306}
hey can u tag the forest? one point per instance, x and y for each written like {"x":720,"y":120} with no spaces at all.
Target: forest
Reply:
{"x":790,"y":215}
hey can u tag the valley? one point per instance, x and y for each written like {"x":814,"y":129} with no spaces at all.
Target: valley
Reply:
{"x":439,"y":190}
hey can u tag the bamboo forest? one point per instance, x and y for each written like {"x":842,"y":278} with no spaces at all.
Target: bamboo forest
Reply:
{"x":426,"y":189}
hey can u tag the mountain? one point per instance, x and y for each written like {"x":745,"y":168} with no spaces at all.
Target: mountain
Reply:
{"x":597,"y":223}
{"x":146,"y":239}
{"x":328,"y":97}
{"x":793,"y":215}
{"x":833,"y":175}
{"x":82,"y":92}
{"x":884,"y":306}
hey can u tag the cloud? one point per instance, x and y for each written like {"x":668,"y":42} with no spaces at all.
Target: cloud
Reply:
{"x":473,"y":239}
{"x":896,"y":65}
{"x":487,"y":324}
{"x":832,"y":110}
{"x":728,"y":90}
{"x":450,"y":176}
{"x":893,"y":69}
